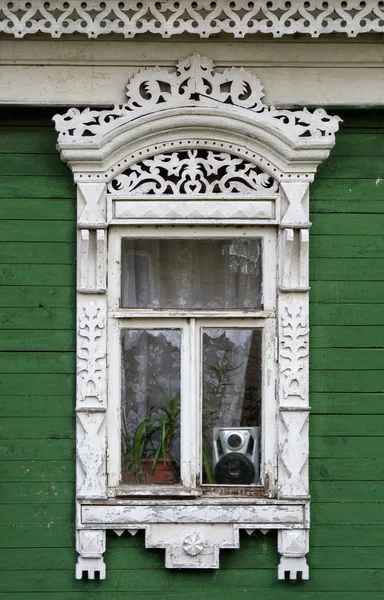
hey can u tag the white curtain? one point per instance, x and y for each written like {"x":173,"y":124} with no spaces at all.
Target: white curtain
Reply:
{"x":211,"y":274}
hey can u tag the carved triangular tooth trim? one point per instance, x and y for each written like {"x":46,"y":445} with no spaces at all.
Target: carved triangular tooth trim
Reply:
{"x":132,"y":531}
{"x":118,"y":532}
{"x":250,"y":531}
{"x":264,"y":531}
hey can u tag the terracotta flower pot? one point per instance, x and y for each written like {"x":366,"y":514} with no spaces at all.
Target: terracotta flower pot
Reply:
{"x":164,"y":472}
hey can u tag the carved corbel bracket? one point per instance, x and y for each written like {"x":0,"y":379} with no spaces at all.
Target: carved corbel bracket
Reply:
{"x":90,"y":544}
{"x":293,"y":545}
{"x":92,"y":265}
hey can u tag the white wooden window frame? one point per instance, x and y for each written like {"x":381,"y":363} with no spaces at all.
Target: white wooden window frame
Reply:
{"x":193,"y":146}
{"x":191,"y":402}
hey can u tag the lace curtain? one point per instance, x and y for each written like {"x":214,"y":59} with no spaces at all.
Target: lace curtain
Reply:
{"x":210,"y":274}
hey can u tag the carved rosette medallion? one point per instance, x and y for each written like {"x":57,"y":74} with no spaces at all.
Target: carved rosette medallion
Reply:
{"x":193,"y":544}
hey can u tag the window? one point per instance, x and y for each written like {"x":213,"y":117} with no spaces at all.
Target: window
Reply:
{"x":192,"y":317}
{"x":192,"y":383}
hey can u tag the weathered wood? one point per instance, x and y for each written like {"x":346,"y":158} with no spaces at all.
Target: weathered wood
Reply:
{"x":347,"y":336}
{"x":37,"y":536}
{"x":347,"y":403}
{"x":37,"y":514}
{"x":229,"y":582}
{"x":38,"y":231}
{"x":28,"y":142}
{"x":32,"y":340}
{"x":36,"y":296}
{"x":36,"y":187}
{"x":346,"y":314}
{"x":347,"y":269}
{"x":38,"y":362}
{"x":357,"y":144}
{"x":37,"y":208}
{"x":340,"y":469}
{"x":37,"y":318}
{"x":340,"y":167}
{"x":348,"y":292}
{"x":348,"y":189}
{"x":340,"y":513}
{"x":366,"y":224}
{"x":37,"y":253}
{"x":38,"y":275}
{"x":33,"y":164}
{"x":347,"y":491}
{"x":247,"y":594}
{"x":343,"y":381}
{"x":27,"y":449}
{"x":347,"y":425}
{"x":364,"y":447}
{"x":51,"y":384}
{"x":346,"y":206}
{"x":38,"y":471}
{"x":347,"y":358}
{"x":343,"y":246}
{"x":37,"y":428}
{"x":36,"y":493}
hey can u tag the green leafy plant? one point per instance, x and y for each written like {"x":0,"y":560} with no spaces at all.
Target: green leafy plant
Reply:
{"x":155,"y":434}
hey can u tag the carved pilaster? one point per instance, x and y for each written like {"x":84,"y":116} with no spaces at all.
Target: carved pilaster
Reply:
{"x":91,"y":397}
{"x":293,"y":396}
{"x":90,"y":544}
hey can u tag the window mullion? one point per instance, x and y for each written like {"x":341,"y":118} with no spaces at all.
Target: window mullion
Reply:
{"x":189,"y":408}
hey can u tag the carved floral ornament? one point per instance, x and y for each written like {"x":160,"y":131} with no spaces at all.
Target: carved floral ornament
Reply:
{"x":194,"y":145}
{"x":203,"y":17}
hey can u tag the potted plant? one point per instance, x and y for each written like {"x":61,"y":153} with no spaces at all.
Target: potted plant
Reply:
{"x":153,"y":461}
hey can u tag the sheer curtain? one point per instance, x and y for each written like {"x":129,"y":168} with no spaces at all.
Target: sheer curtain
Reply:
{"x":210,"y":274}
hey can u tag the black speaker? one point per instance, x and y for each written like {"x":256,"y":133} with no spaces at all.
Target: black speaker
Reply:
{"x":236,"y":455}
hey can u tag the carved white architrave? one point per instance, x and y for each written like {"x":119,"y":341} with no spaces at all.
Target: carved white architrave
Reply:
{"x":194,"y":145}
{"x":204,"y":18}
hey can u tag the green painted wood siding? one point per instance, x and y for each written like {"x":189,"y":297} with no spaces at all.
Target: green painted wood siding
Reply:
{"x":37,"y":383}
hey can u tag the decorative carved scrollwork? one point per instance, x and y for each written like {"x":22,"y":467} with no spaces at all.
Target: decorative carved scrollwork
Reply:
{"x":193,"y":172}
{"x":204,"y":18}
{"x":91,"y":355}
{"x":195,"y":82}
{"x":294,"y":349}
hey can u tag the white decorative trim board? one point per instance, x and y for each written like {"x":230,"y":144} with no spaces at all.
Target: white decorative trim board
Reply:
{"x":193,"y":145}
{"x":203,"y":18}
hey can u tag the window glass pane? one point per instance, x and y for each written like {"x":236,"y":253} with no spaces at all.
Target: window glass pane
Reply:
{"x":231,"y":406}
{"x":150,"y":412}
{"x":210,"y":274}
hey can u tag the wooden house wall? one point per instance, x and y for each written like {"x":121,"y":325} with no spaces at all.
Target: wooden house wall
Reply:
{"x":37,"y":383}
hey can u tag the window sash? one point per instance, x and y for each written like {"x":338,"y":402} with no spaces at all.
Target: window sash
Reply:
{"x":191,"y":401}
{"x":191,"y":322}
